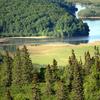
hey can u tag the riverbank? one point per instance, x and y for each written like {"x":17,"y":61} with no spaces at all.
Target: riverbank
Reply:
{"x":89,"y":18}
{"x":6,"y":39}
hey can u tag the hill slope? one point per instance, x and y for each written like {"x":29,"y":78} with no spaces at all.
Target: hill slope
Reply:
{"x":40,"y":18}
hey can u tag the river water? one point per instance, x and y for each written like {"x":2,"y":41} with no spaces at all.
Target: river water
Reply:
{"x":94,"y":26}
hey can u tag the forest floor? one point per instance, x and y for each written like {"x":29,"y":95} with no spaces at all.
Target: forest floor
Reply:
{"x":44,"y":54}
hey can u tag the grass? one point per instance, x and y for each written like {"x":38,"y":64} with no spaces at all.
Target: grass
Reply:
{"x":44,"y":54}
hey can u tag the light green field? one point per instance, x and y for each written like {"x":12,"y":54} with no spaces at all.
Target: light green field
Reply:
{"x":44,"y":54}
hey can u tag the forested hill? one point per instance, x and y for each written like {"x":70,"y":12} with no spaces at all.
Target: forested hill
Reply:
{"x":40,"y":18}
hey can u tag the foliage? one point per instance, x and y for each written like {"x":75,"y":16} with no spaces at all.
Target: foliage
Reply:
{"x":74,"y":82}
{"x":39,"y":18}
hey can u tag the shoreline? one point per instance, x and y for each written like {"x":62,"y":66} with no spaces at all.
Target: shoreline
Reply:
{"x":89,"y":18}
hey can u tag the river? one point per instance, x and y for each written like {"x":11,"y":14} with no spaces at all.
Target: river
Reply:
{"x":94,"y":26}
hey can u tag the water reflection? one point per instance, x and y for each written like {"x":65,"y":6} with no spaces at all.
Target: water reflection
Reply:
{"x":13,"y":43}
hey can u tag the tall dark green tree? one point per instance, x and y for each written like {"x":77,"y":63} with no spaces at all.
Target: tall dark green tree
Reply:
{"x":17,"y":68}
{"x":8,"y":95}
{"x":27,"y":66}
{"x":88,"y":63}
{"x":76,"y":78}
{"x":54,"y":69}
{"x":92,"y":84}
{"x":36,"y":94}
{"x":61,"y":92}
{"x":48,"y":79}
{"x":97,"y":57}
{"x":77,"y":84}
{"x":7,"y":63}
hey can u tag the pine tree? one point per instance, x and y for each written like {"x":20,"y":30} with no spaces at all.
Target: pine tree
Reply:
{"x":48,"y":79}
{"x":97,"y":58}
{"x":92,"y":84}
{"x":54,"y":69}
{"x":35,"y":88}
{"x":88,"y":63}
{"x":77,"y":85}
{"x":71,"y":70}
{"x":76,"y":81}
{"x":8,"y":95}
{"x":7,"y":63}
{"x":27,"y":67}
{"x":17,"y":68}
{"x":61,"y":92}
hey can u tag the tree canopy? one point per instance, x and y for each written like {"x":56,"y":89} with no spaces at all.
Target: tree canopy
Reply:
{"x":40,"y":18}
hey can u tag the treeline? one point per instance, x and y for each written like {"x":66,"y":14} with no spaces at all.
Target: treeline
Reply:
{"x":90,"y":12}
{"x":92,"y":8}
{"x":88,"y":2}
{"x":20,"y":80}
{"x":40,"y":18}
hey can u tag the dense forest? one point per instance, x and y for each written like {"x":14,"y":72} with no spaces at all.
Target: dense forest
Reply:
{"x":92,"y":8}
{"x":40,"y":18}
{"x":22,"y":80}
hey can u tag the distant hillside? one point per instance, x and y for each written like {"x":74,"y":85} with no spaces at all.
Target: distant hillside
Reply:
{"x":40,"y":18}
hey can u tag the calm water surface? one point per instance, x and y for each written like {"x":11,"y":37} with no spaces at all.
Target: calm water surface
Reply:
{"x":94,"y":26}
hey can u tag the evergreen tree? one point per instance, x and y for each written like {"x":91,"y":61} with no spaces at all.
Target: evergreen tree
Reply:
{"x":7,"y":63}
{"x":8,"y":95}
{"x":77,"y":85}
{"x":17,"y":68}
{"x":76,"y":81}
{"x":92,"y":84}
{"x":48,"y":79}
{"x":71,"y":70}
{"x":35,"y":88}
{"x":97,"y":58}
{"x":54,"y":69}
{"x":62,"y":92}
{"x":88,"y":63}
{"x":27,"y":67}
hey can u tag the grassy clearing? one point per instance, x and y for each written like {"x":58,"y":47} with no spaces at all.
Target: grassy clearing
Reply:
{"x":44,"y":54}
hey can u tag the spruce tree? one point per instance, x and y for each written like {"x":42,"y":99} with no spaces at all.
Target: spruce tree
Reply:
{"x":97,"y":58}
{"x":71,"y":70}
{"x":48,"y":79}
{"x":61,"y":92}
{"x":7,"y":63}
{"x":17,"y":68}
{"x":27,"y":67}
{"x":92,"y":84}
{"x":88,"y":63}
{"x":54,"y":69}
{"x":77,"y":84}
{"x":35,"y":88}
{"x":8,"y":95}
{"x":76,"y":80}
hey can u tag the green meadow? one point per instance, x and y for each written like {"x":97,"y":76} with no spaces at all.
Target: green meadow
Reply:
{"x":45,"y":54}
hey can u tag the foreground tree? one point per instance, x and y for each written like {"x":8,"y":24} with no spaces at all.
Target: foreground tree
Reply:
{"x":76,"y":80}
{"x":8,"y":95}
{"x":48,"y":79}
{"x":27,"y":67}
{"x":7,"y":63}
{"x":54,"y":69}
{"x":35,"y":88}
{"x":17,"y":68}
{"x":61,"y":92}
